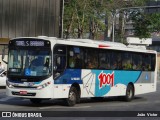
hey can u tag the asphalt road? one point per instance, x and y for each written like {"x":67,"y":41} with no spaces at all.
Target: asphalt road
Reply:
{"x":111,"y":106}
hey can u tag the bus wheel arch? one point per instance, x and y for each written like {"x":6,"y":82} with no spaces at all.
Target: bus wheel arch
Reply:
{"x":130,"y":90}
{"x":74,"y":95}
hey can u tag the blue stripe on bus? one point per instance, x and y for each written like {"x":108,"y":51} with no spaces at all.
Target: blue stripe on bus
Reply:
{"x":74,"y":75}
{"x":120,"y":77}
{"x":71,"y":76}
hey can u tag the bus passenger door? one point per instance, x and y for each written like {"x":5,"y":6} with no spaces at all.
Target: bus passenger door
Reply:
{"x":59,"y":66}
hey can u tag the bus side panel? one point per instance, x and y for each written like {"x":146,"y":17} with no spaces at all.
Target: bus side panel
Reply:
{"x":64,"y":82}
{"x":88,"y":79}
{"x":61,"y":90}
{"x":58,"y":93}
{"x":117,"y":90}
{"x":146,"y":83}
{"x":99,"y":83}
{"x":142,"y":88}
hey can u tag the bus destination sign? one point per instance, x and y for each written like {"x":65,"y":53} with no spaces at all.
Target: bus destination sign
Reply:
{"x":29,"y":43}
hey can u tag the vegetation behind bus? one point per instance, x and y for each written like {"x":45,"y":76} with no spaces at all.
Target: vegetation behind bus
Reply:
{"x":90,"y":18}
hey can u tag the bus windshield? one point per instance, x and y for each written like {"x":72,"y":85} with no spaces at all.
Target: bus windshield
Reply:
{"x":29,"y":62}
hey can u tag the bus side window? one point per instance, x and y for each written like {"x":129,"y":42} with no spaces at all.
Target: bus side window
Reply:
{"x":147,"y":62}
{"x":153,"y":62}
{"x":75,"y":57}
{"x":71,"y":59}
{"x":127,"y":61}
{"x":104,"y":60}
{"x":91,"y":59}
{"x":78,"y":61}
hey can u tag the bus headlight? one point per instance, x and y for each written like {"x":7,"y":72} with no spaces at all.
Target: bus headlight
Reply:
{"x":43,"y":86}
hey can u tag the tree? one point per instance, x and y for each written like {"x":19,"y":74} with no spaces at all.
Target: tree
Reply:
{"x":96,"y":17}
{"x":145,"y":24}
{"x":88,"y":16}
{"x":83,"y":16}
{"x":120,"y":8}
{"x":69,"y":17}
{"x":155,"y":22}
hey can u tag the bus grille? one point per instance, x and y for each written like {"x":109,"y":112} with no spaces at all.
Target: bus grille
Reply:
{"x":24,"y":87}
{"x":28,"y":94}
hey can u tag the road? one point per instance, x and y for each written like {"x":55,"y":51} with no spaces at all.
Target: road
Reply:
{"x":141,"y":104}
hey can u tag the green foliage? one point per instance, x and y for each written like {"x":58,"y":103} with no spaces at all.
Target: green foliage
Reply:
{"x":88,"y":16}
{"x":145,"y":24}
{"x":155,"y":22}
{"x":83,"y":16}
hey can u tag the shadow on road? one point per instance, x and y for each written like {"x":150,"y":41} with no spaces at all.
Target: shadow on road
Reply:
{"x":60,"y":102}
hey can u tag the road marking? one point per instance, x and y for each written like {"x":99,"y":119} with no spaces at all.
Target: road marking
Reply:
{"x":42,"y":108}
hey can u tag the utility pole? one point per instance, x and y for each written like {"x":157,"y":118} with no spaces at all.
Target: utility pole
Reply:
{"x":62,"y":18}
{"x":113,"y":25}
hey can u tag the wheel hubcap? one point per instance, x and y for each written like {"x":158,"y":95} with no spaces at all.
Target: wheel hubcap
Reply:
{"x":129,"y":93}
{"x":72,"y":96}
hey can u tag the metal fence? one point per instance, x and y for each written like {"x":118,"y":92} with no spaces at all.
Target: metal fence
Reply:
{"x":23,"y":18}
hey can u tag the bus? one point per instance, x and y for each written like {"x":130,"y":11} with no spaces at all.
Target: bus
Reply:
{"x":42,"y":68}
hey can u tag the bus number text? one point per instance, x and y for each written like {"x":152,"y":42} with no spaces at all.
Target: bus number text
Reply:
{"x":106,"y":79}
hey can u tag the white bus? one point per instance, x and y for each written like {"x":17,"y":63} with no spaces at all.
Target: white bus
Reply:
{"x":51,"y":68}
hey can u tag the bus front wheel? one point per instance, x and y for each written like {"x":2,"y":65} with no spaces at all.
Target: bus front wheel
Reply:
{"x":36,"y":100}
{"x":72,"y":97}
{"x":129,"y":93}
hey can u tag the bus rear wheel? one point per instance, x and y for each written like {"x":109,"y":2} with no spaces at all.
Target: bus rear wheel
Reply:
{"x":129,"y":93}
{"x":72,"y":97}
{"x":36,"y":100}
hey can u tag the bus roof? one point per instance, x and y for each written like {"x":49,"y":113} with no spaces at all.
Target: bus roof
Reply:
{"x":93,"y":43}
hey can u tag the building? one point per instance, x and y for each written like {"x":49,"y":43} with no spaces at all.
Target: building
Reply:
{"x":29,"y":18}
{"x":153,"y":9}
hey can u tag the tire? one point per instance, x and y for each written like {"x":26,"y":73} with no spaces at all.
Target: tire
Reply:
{"x":129,"y":93}
{"x":36,"y":100}
{"x":72,"y":97}
{"x":78,"y":98}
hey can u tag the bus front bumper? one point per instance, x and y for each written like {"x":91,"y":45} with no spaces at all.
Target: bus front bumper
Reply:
{"x":46,"y":93}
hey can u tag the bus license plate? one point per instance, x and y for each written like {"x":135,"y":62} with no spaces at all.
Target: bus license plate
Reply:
{"x":23,"y":92}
